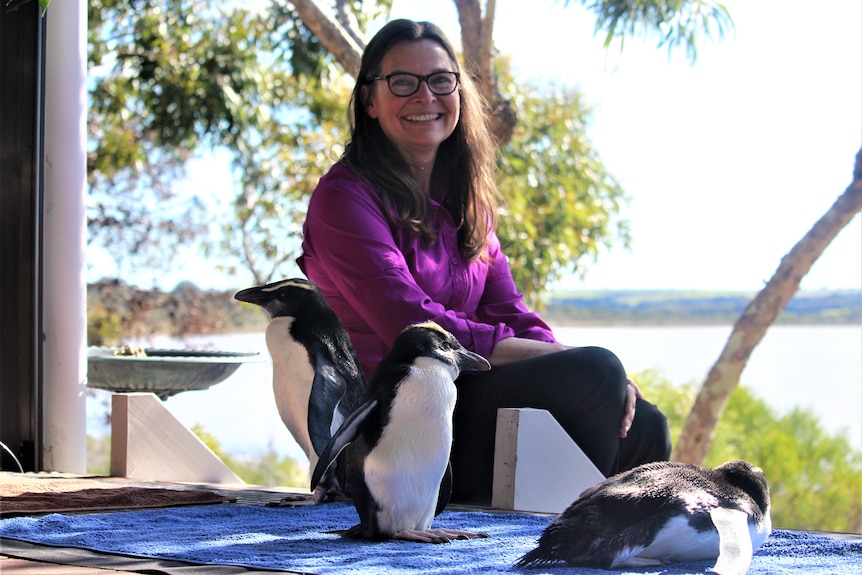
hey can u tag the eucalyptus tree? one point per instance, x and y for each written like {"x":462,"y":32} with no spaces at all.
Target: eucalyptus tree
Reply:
{"x":173,"y":79}
{"x":561,"y":202}
{"x":164,"y":84}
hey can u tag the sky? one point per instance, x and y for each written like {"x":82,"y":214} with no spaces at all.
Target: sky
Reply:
{"x":728,"y":162}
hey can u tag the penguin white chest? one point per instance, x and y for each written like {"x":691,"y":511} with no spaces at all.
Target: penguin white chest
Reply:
{"x":292,"y":378}
{"x":403,"y":471}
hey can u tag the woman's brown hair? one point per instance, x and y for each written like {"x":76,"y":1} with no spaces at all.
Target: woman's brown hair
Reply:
{"x":465,"y":161}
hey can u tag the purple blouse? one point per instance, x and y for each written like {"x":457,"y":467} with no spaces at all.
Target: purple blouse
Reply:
{"x":380,"y":278}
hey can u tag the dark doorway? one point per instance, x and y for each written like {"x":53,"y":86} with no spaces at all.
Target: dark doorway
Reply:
{"x":22,"y":34}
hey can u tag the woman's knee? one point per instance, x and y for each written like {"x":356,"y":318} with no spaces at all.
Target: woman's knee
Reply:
{"x":603,"y":358}
{"x":603,"y":367}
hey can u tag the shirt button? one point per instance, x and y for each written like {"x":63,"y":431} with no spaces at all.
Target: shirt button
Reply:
{"x":454,"y":261}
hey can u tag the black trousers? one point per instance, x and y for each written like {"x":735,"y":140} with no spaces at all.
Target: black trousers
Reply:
{"x":583,"y":388}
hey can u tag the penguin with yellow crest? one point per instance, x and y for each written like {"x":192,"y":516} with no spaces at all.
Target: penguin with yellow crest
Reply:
{"x":397,"y":444}
{"x":316,"y":378}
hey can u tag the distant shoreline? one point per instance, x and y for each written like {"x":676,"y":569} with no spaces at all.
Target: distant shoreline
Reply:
{"x":118,"y":311}
{"x":689,"y":308}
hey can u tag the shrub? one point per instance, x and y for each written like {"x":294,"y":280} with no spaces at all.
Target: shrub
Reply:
{"x":815,"y":479}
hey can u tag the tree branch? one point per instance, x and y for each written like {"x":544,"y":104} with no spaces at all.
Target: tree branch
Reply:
{"x":340,"y":42}
{"x":486,"y":47}
{"x":348,"y":21}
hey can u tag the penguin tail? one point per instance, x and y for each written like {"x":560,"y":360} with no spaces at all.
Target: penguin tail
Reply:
{"x":534,"y":559}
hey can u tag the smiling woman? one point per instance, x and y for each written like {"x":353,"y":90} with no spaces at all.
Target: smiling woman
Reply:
{"x":402,"y":230}
{"x":414,"y":118}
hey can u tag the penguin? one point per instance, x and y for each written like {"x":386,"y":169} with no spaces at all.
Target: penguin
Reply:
{"x":659,"y":513}
{"x":397,"y":444}
{"x":316,"y":377}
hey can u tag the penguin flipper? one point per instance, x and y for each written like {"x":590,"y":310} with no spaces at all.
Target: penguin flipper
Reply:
{"x":327,"y":390}
{"x":349,"y":431}
{"x":445,"y":491}
{"x":734,"y":541}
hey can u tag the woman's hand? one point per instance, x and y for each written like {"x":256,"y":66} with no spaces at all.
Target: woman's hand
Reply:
{"x":632,"y":395}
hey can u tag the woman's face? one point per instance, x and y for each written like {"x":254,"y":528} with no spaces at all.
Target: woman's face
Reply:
{"x":419,"y":123}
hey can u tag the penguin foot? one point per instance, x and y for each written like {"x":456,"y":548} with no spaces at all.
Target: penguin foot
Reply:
{"x":292,"y":501}
{"x":436,"y":535}
{"x":318,"y":496}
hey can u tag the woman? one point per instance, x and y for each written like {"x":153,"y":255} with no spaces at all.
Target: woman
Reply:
{"x":401,"y":230}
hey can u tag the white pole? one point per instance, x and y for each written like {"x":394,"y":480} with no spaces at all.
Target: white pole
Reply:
{"x":64,"y":227}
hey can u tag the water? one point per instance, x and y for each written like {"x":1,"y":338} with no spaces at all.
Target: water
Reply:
{"x":815,"y":367}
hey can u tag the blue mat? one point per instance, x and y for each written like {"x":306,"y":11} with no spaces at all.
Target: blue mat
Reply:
{"x":296,"y":539}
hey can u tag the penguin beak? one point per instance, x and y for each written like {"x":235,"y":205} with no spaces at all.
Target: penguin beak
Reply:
{"x":469,"y":361}
{"x":251,"y":295}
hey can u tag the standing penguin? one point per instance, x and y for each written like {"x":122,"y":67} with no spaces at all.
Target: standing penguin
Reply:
{"x":316,"y":376}
{"x":659,"y":513}
{"x":398,"y":442}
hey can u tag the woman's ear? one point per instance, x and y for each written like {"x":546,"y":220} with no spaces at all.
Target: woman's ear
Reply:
{"x":364,"y":97}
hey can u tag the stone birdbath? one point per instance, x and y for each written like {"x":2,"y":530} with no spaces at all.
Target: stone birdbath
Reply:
{"x":164,"y":372}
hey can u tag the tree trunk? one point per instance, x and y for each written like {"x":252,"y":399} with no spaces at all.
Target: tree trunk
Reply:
{"x":332,"y":35}
{"x":750,"y":328}
{"x":477,"y":42}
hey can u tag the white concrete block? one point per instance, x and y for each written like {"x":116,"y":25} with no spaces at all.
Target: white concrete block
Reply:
{"x":537,"y":466}
{"x":149,"y":443}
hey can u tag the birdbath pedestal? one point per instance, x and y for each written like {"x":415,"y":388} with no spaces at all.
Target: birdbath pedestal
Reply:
{"x":147,"y":441}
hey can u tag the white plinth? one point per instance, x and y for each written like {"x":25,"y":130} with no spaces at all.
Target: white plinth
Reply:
{"x":149,"y":443}
{"x":537,"y":466}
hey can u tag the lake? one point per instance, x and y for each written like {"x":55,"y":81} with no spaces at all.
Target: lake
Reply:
{"x":818,"y":368}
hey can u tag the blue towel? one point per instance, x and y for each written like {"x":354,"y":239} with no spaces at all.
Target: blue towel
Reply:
{"x":297,"y":539}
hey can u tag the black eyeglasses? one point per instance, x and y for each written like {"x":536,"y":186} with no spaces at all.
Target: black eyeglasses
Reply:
{"x":405,"y":84}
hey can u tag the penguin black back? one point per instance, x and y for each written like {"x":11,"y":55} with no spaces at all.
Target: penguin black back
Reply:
{"x":316,"y":327}
{"x":316,"y":375}
{"x":661,"y":512}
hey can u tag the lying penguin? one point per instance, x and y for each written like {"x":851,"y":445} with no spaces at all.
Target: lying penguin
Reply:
{"x":316,"y":376}
{"x":398,"y":442}
{"x":659,"y":513}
